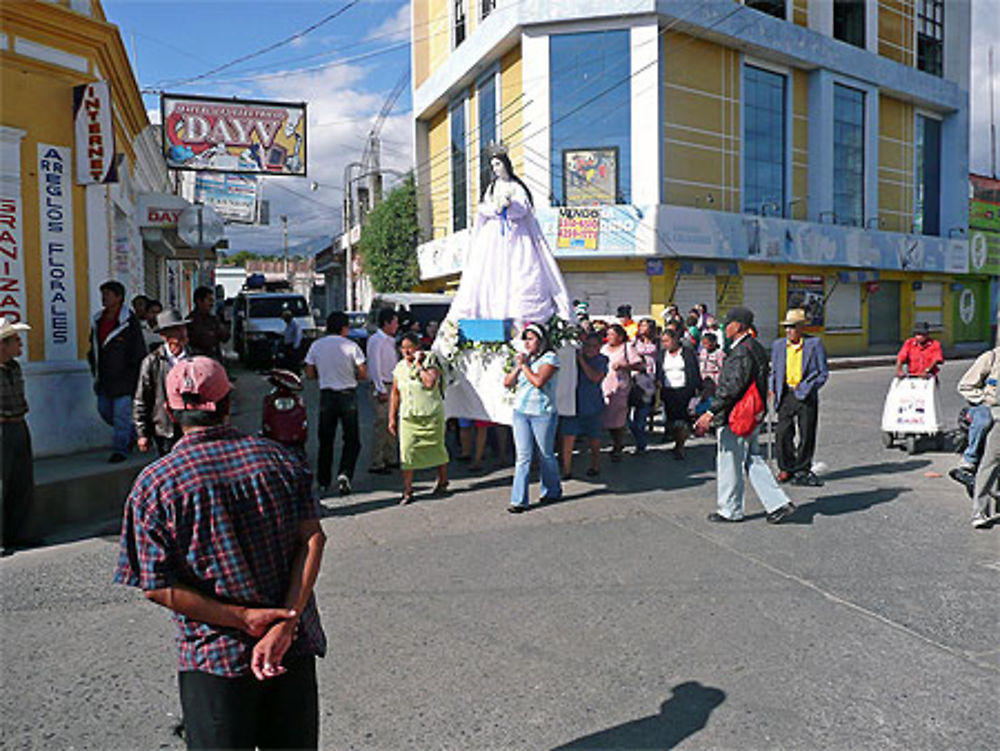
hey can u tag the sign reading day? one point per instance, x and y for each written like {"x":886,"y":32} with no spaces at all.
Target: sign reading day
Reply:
{"x":231,"y":135}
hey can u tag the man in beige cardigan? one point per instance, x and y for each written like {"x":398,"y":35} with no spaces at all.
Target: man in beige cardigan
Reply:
{"x":979,"y":387}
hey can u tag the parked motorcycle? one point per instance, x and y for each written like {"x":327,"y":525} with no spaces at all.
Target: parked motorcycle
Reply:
{"x":284,"y":416}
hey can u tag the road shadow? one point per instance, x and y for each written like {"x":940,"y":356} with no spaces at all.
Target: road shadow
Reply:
{"x":681,"y":716}
{"x":842,"y":503}
{"x":361,"y":507}
{"x":879,"y":468}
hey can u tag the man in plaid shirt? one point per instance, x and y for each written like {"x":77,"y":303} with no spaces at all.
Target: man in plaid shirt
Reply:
{"x":224,"y":531}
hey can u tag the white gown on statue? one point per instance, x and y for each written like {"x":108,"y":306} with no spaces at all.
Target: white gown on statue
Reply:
{"x":509,"y":270}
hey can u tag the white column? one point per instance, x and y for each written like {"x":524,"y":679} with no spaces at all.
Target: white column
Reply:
{"x":536,"y":116}
{"x":646,"y":133}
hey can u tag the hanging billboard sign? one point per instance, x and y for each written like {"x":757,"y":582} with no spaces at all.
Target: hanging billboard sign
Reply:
{"x":234,"y":197}
{"x":234,"y":135}
{"x":95,"y":134}
{"x":590,"y":176}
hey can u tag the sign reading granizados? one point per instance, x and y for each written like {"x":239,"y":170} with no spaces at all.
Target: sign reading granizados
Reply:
{"x":230,"y":135}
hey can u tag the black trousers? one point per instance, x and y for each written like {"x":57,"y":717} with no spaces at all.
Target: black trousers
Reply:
{"x":244,"y":713}
{"x":337,"y":407}
{"x":17,"y":481}
{"x":796,"y":418}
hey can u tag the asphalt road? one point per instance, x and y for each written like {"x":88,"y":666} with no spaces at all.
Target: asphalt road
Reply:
{"x":618,"y":618}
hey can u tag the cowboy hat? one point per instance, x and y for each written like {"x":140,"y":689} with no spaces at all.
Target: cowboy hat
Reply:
{"x":10,"y":328}
{"x":795,"y":317}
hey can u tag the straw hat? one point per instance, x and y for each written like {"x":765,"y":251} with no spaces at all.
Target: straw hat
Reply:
{"x":795,"y":317}
{"x":9,"y":328}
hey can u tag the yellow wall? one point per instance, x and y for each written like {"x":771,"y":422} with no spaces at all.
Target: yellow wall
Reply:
{"x":440,"y":174}
{"x":511,"y":106}
{"x":895,"y":164}
{"x":800,"y":12}
{"x":438,"y":33}
{"x":37,"y":97}
{"x":701,"y":131}
{"x":800,"y":145}
{"x":896,"y":35}
{"x":420,"y":42}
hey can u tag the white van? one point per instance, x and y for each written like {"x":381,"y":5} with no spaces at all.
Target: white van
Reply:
{"x":410,"y":306}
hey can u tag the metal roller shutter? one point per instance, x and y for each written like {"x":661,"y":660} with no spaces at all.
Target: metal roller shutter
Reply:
{"x":695,"y":290}
{"x":760,"y":294}
{"x":605,"y":291}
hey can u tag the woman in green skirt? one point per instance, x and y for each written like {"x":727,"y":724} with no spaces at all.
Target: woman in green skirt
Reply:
{"x":416,"y":415}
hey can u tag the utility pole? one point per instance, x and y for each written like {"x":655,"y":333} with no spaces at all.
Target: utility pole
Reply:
{"x":993,"y":127}
{"x":284,"y":231}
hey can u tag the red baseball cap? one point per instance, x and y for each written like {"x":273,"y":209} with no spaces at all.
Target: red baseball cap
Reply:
{"x":197,"y":383}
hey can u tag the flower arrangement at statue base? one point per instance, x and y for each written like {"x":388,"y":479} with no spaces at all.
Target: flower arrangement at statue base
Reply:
{"x":474,"y":370}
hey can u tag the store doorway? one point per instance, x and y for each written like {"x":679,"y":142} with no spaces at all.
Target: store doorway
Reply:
{"x":883,"y":318}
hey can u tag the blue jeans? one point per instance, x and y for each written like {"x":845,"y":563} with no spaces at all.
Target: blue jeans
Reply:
{"x":116,"y":411}
{"x":982,"y":421}
{"x":530,"y":430}
{"x":638,"y":422}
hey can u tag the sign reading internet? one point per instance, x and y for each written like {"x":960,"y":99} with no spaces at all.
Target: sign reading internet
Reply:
{"x":233,"y":135}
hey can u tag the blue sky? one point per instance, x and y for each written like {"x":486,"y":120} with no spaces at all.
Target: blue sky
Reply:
{"x":343,"y":70}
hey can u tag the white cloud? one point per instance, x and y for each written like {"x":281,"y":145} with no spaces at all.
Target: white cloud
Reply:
{"x":396,"y":28}
{"x":340,"y":113}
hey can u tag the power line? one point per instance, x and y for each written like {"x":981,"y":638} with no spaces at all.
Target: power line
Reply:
{"x":271,"y":47}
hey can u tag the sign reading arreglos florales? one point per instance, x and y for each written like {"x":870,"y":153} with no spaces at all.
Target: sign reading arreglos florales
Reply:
{"x":234,"y":135}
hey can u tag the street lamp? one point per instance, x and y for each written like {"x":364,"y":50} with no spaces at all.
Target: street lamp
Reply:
{"x":284,"y":232}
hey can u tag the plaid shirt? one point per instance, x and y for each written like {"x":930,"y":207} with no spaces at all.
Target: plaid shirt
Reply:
{"x":220,"y":513}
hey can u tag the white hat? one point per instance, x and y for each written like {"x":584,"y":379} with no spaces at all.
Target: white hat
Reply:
{"x":9,"y":328}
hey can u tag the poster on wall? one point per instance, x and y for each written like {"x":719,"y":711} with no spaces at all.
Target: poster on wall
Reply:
{"x":590,"y":176}
{"x":95,"y":134}
{"x":234,"y":135}
{"x":578,"y":228}
{"x":808,"y":293}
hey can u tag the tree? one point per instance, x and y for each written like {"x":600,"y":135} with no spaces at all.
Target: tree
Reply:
{"x":389,"y":241}
{"x":241,"y":258}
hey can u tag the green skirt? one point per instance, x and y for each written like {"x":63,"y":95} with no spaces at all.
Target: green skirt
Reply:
{"x":421,"y":442}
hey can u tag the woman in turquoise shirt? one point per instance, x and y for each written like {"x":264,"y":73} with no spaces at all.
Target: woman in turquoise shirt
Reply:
{"x":535,"y":417}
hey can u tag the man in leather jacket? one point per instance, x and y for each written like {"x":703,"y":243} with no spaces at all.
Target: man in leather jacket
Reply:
{"x":149,"y":408}
{"x":747,"y":363}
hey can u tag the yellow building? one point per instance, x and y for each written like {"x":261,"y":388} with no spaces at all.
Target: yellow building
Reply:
{"x":766,"y":152}
{"x":69,"y":224}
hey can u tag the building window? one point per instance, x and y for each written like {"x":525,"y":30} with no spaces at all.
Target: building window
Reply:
{"x":849,"y":155}
{"x":487,"y":7}
{"x":487,"y":128}
{"x":927,"y":215}
{"x":590,"y":106}
{"x":930,"y":36}
{"x":849,"y":21}
{"x":764,"y":142}
{"x":459,"y":9}
{"x":459,"y":190}
{"x":774,"y":8}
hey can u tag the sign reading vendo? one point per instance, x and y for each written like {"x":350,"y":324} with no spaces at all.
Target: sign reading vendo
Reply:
{"x":231,"y":135}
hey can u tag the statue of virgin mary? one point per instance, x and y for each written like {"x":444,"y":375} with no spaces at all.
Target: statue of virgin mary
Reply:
{"x":509,"y":273}
{"x":509,"y":270}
